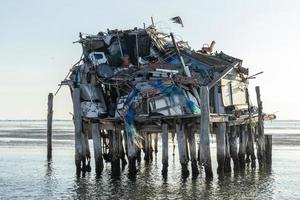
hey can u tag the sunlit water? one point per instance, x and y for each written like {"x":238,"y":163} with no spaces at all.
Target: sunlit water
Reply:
{"x":26,"y":174}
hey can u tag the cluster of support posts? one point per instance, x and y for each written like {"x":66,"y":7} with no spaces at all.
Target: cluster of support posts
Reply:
{"x":235,"y":144}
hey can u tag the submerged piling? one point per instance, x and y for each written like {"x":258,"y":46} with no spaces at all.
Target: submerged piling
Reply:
{"x":233,"y":148}
{"x":49,"y":126}
{"x":268,"y":147}
{"x":165,"y":147}
{"x":221,"y":144}
{"x":78,"y":128}
{"x":205,"y":158}
{"x":97,"y":148}
{"x":242,"y":145}
{"x":260,"y":128}
{"x":193,"y":151}
{"x":182,"y":148}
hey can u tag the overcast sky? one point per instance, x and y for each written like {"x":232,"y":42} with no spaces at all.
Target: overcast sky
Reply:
{"x":36,"y":49}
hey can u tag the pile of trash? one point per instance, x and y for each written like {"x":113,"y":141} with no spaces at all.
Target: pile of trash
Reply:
{"x":126,"y":74}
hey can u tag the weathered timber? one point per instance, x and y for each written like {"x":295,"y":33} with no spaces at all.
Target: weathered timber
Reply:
{"x":173,"y":142}
{"x":182,"y":148}
{"x":250,"y":146}
{"x":260,"y":128}
{"x":205,"y":158}
{"x":193,"y":152}
{"x":84,"y":152}
{"x":155,"y":143}
{"x":122,"y":151}
{"x":243,"y":137}
{"x":227,"y":162}
{"x":268,"y":147}
{"x":131,"y":154}
{"x":147,"y":147}
{"x":221,"y":145}
{"x":49,"y":126}
{"x":233,"y":147}
{"x":86,"y":146}
{"x":165,"y":147}
{"x":115,"y":156}
{"x":97,"y":147}
{"x":78,"y":129}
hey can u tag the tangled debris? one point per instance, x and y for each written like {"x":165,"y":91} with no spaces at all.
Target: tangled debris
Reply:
{"x":127,"y":74}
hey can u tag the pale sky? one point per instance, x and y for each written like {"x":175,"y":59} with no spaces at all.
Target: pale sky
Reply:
{"x":36,"y":49}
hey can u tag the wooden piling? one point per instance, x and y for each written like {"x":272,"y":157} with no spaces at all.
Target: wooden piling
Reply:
{"x":268,"y":147}
{"x":221,"y":143}
{"x":131,"y":153}
{"x":49,"y":126}
{"x":87,"y":147}
{"x":204,"y":132}
{"x":97,"y":147}
{"x":227,"y":162}
{"x":155,"y":143}
{"x":147,"y":147}
{"x":193,"y":151}
{"x":260,"y":128}
{"x":165,"y":148}
{"x":182,"y":148}
{"x":242,"y":145}
{"x":122,"y":151}
{"x":84,"y":150}
{"x":115,"y":158}
{"x":233,"y":148}
{"x":250,"y":146}
{"x":78,"y":129}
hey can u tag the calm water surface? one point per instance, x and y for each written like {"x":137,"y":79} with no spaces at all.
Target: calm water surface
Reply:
{"x":25,"y":172}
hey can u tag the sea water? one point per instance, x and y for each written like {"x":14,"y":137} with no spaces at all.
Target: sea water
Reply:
{"x":25,"y":172}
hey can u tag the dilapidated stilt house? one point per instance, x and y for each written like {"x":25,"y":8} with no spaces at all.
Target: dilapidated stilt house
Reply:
{"x":132,"y":87}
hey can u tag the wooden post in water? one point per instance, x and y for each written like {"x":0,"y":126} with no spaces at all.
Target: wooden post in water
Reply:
{"x":122,"y":151}
{"x":131,"y":153}
{"x":49,"y":126}
{"x":233,"y":148}
{"x":155,"y":143}
{"x":87,"y":146}
{"x":242,"y":145}
{"x":261,"y":135}
{"x":268,"y":147}
{"x":204,"y":132}
{"x":84,"y":149}
{"x":221,"y":145}
{"x":250,"y":146}
{"x":227,"y":165}
{"x":115,"y":158}
{"x":182,"y":148}
{"x":193,"y":151}
{"x":78,"y":129}
{"x":165,"y":147}
{"x":147,"y":147}
{"x":97,"y":148}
